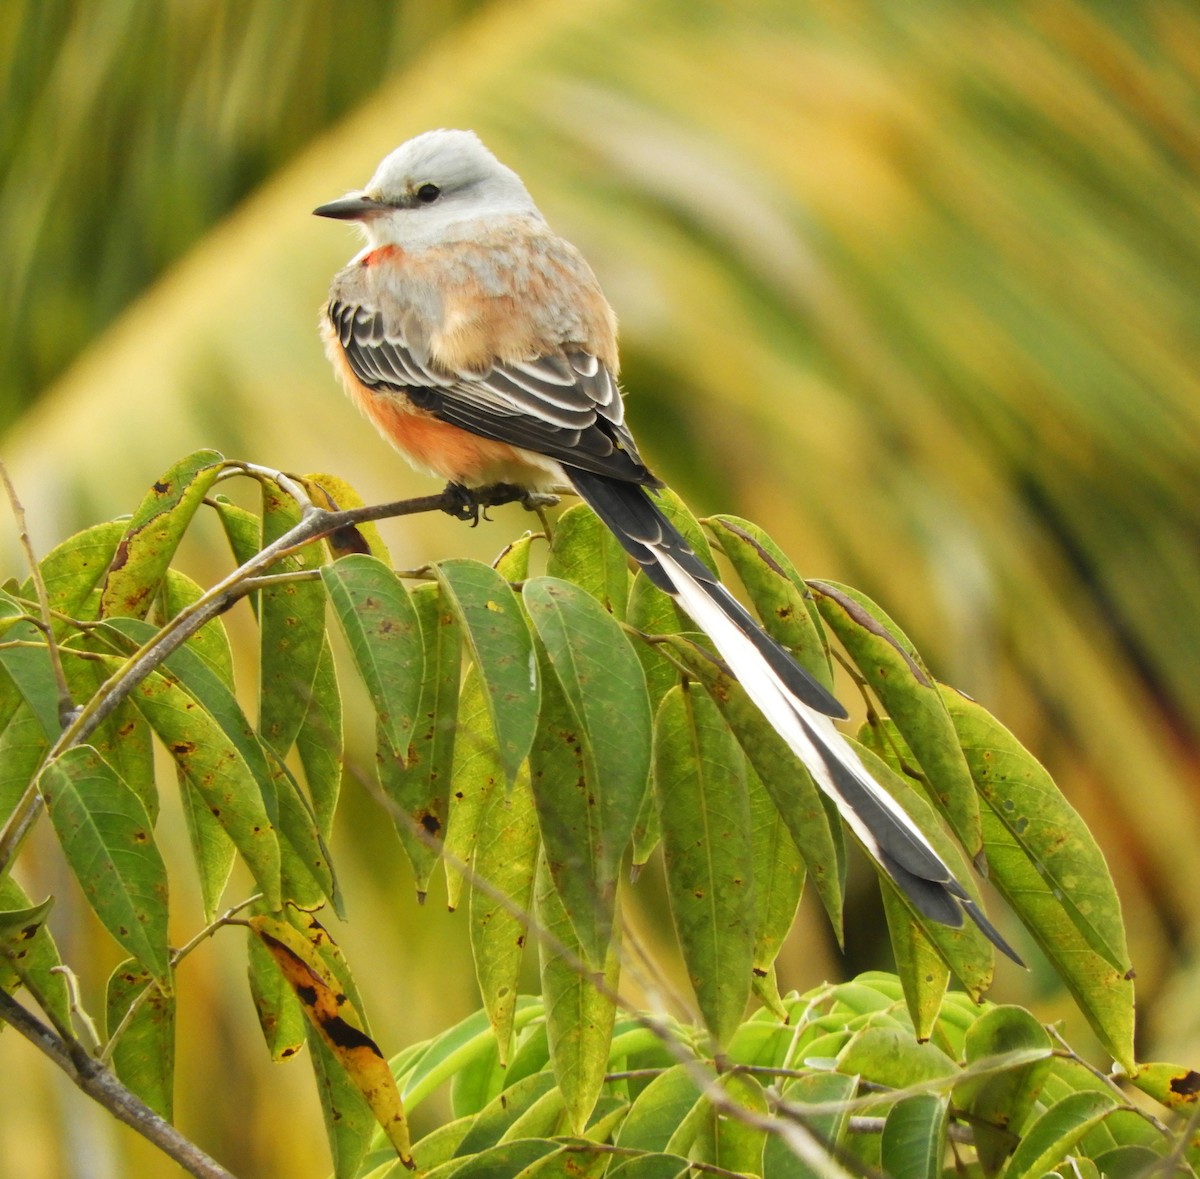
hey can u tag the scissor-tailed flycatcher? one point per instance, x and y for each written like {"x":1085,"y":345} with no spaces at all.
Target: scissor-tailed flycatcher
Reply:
{"x":480,"y":345}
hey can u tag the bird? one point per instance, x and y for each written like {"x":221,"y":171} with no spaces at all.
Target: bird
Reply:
{"x":479,"y":343}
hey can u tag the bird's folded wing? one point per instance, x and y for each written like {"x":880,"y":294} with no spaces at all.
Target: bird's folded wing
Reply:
{"x":565,"y":404}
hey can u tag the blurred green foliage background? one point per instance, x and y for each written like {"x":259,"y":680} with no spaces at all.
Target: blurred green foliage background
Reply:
{"x":915,"y":284}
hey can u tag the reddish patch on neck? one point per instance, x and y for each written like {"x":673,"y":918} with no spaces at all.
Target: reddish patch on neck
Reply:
{"x":382,"y":254}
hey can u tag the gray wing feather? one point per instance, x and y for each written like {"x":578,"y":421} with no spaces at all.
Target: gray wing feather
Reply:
{"x":565,"y":404}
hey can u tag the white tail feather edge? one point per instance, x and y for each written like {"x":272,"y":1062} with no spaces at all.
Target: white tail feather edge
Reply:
{"x":793,"y":720}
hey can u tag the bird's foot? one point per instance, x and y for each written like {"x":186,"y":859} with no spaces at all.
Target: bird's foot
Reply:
{"x":471,"y":503}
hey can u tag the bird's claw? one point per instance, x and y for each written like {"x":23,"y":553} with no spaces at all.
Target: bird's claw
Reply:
{"x":471,"y":503}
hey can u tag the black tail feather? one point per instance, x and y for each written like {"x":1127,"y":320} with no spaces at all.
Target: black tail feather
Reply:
{"x":644,"y":532}
{"x":638,"y":523}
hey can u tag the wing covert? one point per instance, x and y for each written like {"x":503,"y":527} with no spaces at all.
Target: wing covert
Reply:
{"x":565,"y":404}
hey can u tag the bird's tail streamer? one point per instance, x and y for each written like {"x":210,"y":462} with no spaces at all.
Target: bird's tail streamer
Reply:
{"x":794,"y":703}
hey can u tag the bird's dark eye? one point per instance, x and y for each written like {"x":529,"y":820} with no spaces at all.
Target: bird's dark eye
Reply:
{"x":428,"y":193}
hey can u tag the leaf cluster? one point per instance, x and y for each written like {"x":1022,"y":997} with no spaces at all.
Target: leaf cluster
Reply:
{"x":537,"y":734}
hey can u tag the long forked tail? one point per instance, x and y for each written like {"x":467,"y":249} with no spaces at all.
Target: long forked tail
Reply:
{"x":794,"y":703}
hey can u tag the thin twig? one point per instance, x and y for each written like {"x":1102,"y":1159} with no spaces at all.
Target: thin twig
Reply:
{"x":101,"y":1084}
{"x":956,"y":1133}
{"x":226,"y":918}
{"x":66,"y":705}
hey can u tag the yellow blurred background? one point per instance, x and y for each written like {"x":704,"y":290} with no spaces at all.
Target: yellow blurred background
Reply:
{"x":915,"y":284}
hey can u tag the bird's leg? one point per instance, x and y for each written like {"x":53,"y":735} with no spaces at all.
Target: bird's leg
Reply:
{"x":469,"y":503}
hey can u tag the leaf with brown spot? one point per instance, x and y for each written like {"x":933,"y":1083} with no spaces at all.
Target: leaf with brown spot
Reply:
{"x":380,"y":622}
{"x":339,"y":1024}
{"x":73,"y":571}
{"x":596,"y":724}
{"x":585,"y":552}
{"x":783,"y":601}
{"x":579,"y":1016}
{"x":336,"y":495}
{"x":209,"y":759}
{"x":27,"y":949}
{"x":279,"y":1015}
{"x":1049,"y":868}
{"x":96,"y":818}
{"x":150,"y":541}
{"x":144,"y":1056}
{"x":502,"y":648}
{"x":900,"y":680}
{"x":699,"y":781}
{"x":291,"y":628}
{"x":419,"y":785}
{"x":506,"y":854}
{"x":475,"y":771}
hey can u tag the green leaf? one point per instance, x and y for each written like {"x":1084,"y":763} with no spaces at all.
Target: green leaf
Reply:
{"x":910,"y":696}
{"x":33,"y":674}
{"x":209,"y":760}
{"x":319,"y":742}
{"x":280,"y":1016}
{"x":893,"y":1057}
{"x":23,"y":745}
{"x":914,"y":1138}
{"x":243,"y":530}
{"x":699,"y":781}
{"x":144,"y":1056}
{"x":123,"y":739}
{"x":783,"y":602}
{"x":513,"y":561}
{"x":291,"y":629}
{"x":809,"y":817}
{"x":454,"y":1050}
{"x":1000,"y":1104}
{"x":922,"y":970}
{"x":585,"y":552}
{"x":502,"y":648}
{"x":73,"y":571}
{"x":506,"y":855}
{"x":658,"y":1110}
{"x":735,"y":1145}
{"x":778,"y":874}
{"x":142,"y":557}
{"x":1046,"y":1142}
{"x":579,"y":1017}
{"x":1046,"y":864}
{"x":210,"y":642}
{"x":213,"y":852}
{"x":829,"y":1128}
{"x":349,"y":1122}
{"x":680,"y":515}
{"x":476,"y":770}
{"x":587,"y":818}
{"x":107,"y":840}
{"x":649,"y":1166}
{"x":504,"y":1160}
{"x":965,"y":950}
{"x":381,"y":627}
{"x":1123,"y":1162}
{"x":28,"y":951}
{"x":305,"y":861}
{"x":420,"y":784}
{"x":502,"y":1111}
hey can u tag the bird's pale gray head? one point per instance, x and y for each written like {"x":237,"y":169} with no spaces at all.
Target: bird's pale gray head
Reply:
{"x":427,"y":185}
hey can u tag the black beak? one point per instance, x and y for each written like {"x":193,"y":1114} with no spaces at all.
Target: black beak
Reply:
{"x":351,"y":208}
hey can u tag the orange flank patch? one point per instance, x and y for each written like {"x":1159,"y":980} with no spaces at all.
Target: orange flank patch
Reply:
{"x":434,"y":446}
{"x":382,"y":254}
